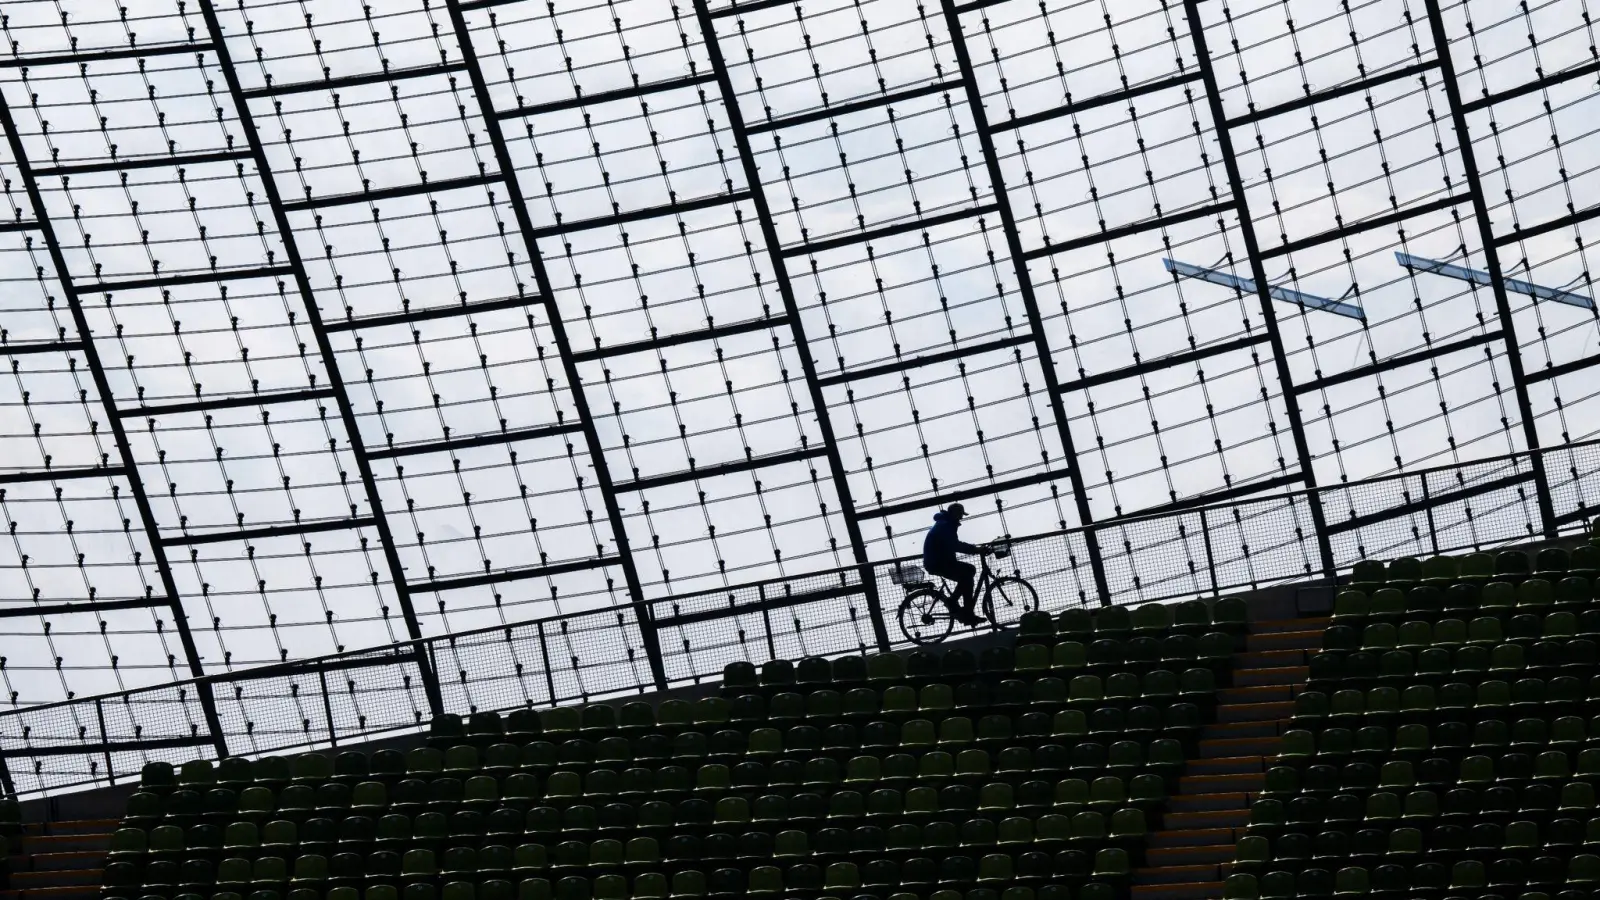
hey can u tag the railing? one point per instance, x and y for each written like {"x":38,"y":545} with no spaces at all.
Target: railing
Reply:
{"x":1196,"y":551}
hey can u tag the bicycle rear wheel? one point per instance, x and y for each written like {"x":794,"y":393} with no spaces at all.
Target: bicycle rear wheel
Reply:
{"x":1007,"y":599}
{"x":924,"y":618}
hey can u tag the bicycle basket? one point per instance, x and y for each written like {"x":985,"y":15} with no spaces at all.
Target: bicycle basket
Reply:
{"x":1001,"y":548}
{"x":907,"y":574}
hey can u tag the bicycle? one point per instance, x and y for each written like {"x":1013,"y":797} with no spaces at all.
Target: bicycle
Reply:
{"x":925,"y":616}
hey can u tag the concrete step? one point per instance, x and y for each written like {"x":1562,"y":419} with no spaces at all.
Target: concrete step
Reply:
{"x":1176,"y":874}
{"x":59,"y":859}
{"x":1193,"y":837}
{"x":72,"y":826}
{"x":1227,"y":731}
{"x":55,"y":878}
{"x":1285,"y":640}
{"x":1185,"y":820}
{"x":1226,"y":765}
{"x":1195,"y":855}
{"x":1279,"y":675}
{"x":71,"y":892}
{"x":1256,"y":712}
{"x":1217,"y":802}
{"x":1259,"y":693}
{"x":1200,"y":890}
{"x":1243,"y":782}
{"x":1278,"y":626}
{"x":49,"y":843}
{"x":1270,"y":659}
{"x":1225,"y":748}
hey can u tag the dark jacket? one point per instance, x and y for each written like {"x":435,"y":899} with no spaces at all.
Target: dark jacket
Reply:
{"x":942,"y":544}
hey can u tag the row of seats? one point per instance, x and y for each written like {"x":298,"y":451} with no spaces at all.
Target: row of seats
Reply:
{"x":1191,"y":617}
{"x":1447,"y":739}
{"x":1487,"y":699}
{"x":1474,"y":568}
{"x":1466,"y":878}
{"x":1426,"y":601}
{"x":647,"y":886}
{"x":1450,"y":634}
{"x":1510,"y":770}
{"x":1109,"y":864}
{"x":241,"y":840}
{"x":1561,"y":837}
{"x":1331,"y":670}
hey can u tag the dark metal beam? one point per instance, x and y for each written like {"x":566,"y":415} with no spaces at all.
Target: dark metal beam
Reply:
{"x":749,"y":464}
{"x":1209,"y":498}
{"x":28,"y":347}
{"x":119,"y":435}
{"x":511,"y":575}
{"x":427,"y":314}
{"x":1030,"y":303}
{"x":1431,"y":501}
{"x":854,"y":106}
{"x":329,"y":83}
{"x":861,"y":237}
{"x":98,"y":747}
{"x":449,"y":445}
{"x":927,"y":359}
{"x":1344,"y":90}
{"x":233,"y":401}
{"x":165,"y":281}
{"x":12,"y":227}
{"x":1130,"y":229}
{"x":1343,"y":231}
{"x":675,"y":208}
{"x":89,"y":56}
{"x":732,"y":9}
{"x":391,"y":193}
{"x":1518,"y":233}
{"x":1269,"y":315}
{"x":267,"y":531}
{"x":143,"y":162}
{"x":1538,"y":84}
{"x":940,"y":498}
{"x":765,"y":604}
{"x":791,"y":308}
{"x":1502,"y":301}
{"x":1394,"y":362}
{"x":627,"y":93}
{"x":558,"y":329}
{"x":1566,"y":368}
{"x":17,"y":610}
{"x":330,"y":361}
{"x":61,"y":474}
{"x":1072,"y":107}
{"x":687,"y":337}
{"x":1144,"y":367}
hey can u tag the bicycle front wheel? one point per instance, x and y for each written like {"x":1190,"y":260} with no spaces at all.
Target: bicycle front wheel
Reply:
{"x":1007,"y":599}
{"x":924,"y":618}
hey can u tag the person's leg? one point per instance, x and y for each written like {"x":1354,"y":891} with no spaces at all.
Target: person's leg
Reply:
{"x":966,"y":575}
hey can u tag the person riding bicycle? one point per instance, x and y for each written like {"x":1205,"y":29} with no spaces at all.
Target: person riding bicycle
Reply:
{"x":939,"y":551}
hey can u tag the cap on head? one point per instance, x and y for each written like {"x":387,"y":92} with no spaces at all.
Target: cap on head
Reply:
{"x":956,"y":510}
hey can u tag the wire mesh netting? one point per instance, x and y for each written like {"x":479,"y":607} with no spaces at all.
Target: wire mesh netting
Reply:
{"x":530,"y":352}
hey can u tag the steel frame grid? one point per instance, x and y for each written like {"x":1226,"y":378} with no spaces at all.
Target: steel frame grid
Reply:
{"x":721,"y":82}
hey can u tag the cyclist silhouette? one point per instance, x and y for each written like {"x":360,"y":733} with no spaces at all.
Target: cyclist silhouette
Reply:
{"x":939,"y":551}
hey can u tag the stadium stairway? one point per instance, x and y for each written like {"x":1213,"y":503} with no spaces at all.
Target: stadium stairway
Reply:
{"x":1187,"y":857}
{"x":57,"y":860}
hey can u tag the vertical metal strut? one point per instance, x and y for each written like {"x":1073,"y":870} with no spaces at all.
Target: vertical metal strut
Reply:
{"x":1030,"y":303}
{"x":102,"y":385}
{"x":558,"y":328}
{"x":1252,"y":249}
{"x":1491,"y":255}
{"x":330,"y":362}
{"x":780,"y":272}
